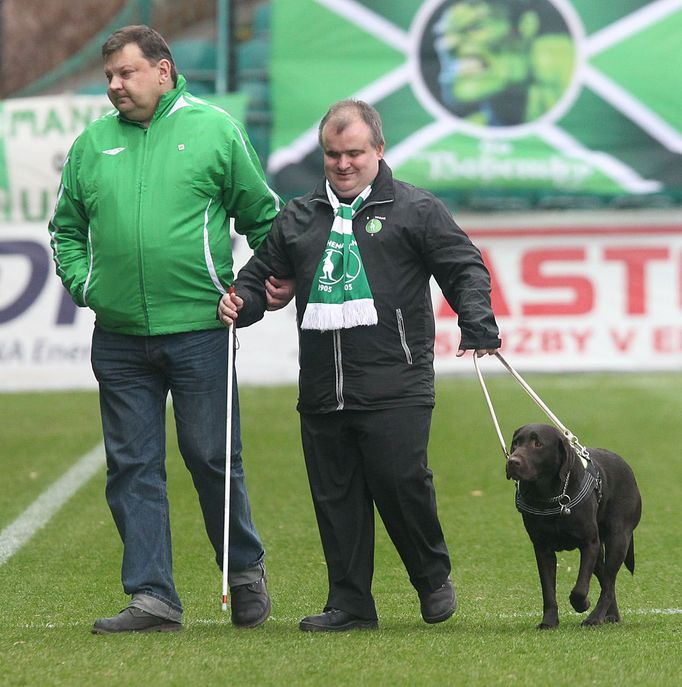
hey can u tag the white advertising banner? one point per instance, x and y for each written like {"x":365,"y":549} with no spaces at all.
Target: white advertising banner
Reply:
{"x":45,"y":338}
{"x":35,"y":136}
{"x":604,"y":293}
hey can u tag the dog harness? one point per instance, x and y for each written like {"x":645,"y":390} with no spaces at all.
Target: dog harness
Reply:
{"x":563,"y":504}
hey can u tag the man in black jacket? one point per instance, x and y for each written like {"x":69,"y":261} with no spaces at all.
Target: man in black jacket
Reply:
{"x":362,"y":248}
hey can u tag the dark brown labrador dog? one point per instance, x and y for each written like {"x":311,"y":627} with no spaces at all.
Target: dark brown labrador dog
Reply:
{"x":569,"y":503}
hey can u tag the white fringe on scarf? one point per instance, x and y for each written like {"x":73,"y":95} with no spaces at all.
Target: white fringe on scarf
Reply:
{"x":327,"y":317}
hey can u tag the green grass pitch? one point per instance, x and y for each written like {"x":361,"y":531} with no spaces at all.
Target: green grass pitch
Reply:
{"x":68,"y":573}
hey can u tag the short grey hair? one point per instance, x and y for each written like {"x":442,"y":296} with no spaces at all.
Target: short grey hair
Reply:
{"x":343,"y":112}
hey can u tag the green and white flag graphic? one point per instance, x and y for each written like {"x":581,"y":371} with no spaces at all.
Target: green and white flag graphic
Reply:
{"x":491,"y":104}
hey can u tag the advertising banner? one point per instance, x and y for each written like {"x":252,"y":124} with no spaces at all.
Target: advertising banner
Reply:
{"x":491,"y":104}
{"x":598,"y":294}
{"x":572,"y":291}
{"x":35,"y":136}
{"x":45,"y":338}
{"x":601,"y":295}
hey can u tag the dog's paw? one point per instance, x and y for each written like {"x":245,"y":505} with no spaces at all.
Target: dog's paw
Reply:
{"x":549,"y":622}
{"x":579,"y":602}
{"x":592,"y":621}
{"x":546,"y":626}
{"x":612,"y":618}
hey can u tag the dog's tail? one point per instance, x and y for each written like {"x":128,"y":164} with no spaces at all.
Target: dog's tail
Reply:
{"x":630,"y":556}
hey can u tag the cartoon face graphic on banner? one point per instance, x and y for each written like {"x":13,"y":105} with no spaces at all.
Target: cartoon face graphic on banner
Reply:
{"x":497,"y":62}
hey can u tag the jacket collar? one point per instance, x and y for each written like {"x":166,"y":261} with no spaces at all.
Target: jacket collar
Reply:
{"x":382,"y":187}
{"x":169,"y":98}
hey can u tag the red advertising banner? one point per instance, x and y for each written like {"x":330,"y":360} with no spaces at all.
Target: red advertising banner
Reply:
{"x":603,"y":295}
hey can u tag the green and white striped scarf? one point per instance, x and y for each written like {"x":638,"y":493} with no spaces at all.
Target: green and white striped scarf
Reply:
{"x":340,"y":296}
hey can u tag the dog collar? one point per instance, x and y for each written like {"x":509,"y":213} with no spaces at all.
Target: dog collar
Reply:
{"x":562,"y":504}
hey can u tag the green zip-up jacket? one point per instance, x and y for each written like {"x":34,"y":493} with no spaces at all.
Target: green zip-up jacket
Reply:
{"x":141,"y":228}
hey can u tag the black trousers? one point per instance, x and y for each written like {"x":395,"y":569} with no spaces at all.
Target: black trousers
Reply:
{"x":356,"y":459}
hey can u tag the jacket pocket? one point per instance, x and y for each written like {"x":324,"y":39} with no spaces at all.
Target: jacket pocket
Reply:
{"x":403,"y":338}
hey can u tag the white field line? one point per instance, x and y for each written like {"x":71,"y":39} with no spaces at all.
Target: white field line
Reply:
{"x":623,"y":612}
{"x":40,"y":512}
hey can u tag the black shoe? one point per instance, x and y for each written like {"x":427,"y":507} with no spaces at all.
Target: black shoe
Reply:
{"x":335,"y":620}
{"x":250,"y":604}
{"x":439,"y":605}
{"x":133,"y":619}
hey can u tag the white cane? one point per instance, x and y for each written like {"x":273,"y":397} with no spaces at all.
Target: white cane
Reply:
{"x":228,"y":455}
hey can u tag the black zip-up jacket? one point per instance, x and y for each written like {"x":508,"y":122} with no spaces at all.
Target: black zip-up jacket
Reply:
{"x":391,"y":364}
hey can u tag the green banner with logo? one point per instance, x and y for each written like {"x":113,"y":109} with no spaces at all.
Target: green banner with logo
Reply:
{"x":491,"y":104}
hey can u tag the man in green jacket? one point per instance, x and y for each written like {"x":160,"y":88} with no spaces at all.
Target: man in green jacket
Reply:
{"x":141,"y":235}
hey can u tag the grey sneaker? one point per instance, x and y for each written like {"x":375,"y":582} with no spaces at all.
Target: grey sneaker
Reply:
{"x":133,"y":619}
{"x":250,"y":604}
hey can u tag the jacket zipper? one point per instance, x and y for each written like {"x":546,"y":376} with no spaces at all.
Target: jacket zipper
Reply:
{"x":403,"y":339}
{"x":338,"y":365}
{"x":338,"y":359}
{"x":139,"y":228}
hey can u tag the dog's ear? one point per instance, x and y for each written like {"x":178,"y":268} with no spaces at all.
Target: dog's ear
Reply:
{"x":566,"y":453}
{"x":513,"y":439}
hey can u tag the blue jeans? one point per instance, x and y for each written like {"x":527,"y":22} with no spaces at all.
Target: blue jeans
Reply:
{"x":135,"y":374}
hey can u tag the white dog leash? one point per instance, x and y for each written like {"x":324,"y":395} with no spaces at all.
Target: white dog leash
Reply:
{"x":583,"y":453}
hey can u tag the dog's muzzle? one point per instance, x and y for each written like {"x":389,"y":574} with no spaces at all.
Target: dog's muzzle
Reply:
{"x":513,"y":468}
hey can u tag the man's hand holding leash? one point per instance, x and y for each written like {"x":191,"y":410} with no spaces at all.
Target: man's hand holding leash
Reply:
{"x":480,"y":352}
